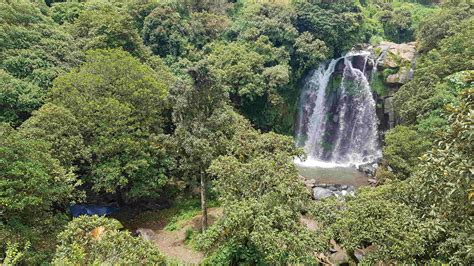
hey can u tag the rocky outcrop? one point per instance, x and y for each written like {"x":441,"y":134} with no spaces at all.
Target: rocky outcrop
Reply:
{"x":146,"y":234}
{"x":396,"y":53}
{"x":396,"y":61}
{"x":322,"y":191}
{"x":394,"y":66}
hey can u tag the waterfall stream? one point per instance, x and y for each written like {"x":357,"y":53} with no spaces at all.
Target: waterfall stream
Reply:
{"x":337,"y":122}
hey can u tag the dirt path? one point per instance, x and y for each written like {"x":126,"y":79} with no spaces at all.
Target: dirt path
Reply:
{"x":171,"y":243}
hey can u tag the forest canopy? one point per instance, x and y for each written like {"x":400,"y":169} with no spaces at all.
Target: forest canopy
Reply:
{"x":186,"y":108}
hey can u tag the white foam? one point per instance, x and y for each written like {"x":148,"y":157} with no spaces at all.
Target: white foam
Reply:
{"x":312,"y":163}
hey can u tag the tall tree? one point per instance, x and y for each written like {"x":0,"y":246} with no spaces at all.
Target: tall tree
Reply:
{"x":117,"y":103}
{"x":102,"y":24}
{"x":33,"y":187}
{"x":204,"y":126}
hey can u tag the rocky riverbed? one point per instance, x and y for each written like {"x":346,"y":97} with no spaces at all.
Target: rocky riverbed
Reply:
{"x":331,"y":182}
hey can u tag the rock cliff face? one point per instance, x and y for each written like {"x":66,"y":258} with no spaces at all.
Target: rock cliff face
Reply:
{"x":395,"y":64}
{"x":397,"y":61}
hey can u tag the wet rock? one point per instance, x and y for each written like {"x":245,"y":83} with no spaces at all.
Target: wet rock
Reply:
{"x":320,"y":193}
{"x":389,"y":111}
{"x":337,"y":190}
{"x":368,"y":169}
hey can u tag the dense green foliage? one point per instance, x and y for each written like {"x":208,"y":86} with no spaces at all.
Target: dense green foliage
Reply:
{"x":144,"y":102}
{"x":403,"y":147}
{"x":32,"y":185}
{"x":97,"y":240}
{"x":116,"y":102}
{"x":262,"y":199}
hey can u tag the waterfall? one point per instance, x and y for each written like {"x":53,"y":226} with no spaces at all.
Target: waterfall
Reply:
{"x":336,"y":122}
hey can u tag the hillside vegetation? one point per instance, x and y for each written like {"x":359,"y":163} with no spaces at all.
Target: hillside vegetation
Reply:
{"x":141,"y":103}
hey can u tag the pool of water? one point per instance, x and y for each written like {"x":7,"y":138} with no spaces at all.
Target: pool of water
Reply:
{"x":332,"y":174}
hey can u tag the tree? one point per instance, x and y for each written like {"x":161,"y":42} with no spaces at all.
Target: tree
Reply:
{"x":66,"y":11}
{"x":164,"y":31}
{"x":97,"y":240}
{"x":337,"y":23}
{"x":274,"y":20}
{"x":117,"y":101}
{"x":377,"y":218}
{"x":17,"y":99}
{"x":33,"y":186}
{"x":103,"y":25}
{"x":403,"y":147}
{"x":262,"y":198}
{"x":34,"y":51}
{"x":431,"y":88}
{"x":440,"y":25}
{"x":204,"y":126}
{"x":58,"y":126}
{"x":205,"y":27}
{"x":441,"y":185}
{"x":32,"y":181}
{"x":309,"y":51}
{"x":253,"y":74}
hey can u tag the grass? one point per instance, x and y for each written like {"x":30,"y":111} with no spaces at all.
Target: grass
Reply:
{"x":174,"y":218}
{"x":184,"y":212}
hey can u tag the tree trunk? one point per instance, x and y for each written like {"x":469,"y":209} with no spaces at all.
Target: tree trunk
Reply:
{"x":203,"y":203}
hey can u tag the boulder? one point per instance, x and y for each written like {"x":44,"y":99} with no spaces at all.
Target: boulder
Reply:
{"x":368,"y":169}
{"x":396,"y":55}
{"x":146,"y":233}
{"x":320,"y":193}
{"x":372,"y":181}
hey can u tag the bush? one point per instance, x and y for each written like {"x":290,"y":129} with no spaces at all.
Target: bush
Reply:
{"x":375,"y":217}
{"x":96,"y":240}
{"x":403,"y":146}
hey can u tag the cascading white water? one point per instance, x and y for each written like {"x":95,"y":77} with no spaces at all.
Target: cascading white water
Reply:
{"x":337,"y":125}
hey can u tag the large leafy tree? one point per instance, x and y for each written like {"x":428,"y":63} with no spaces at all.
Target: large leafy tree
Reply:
{"x":274,"y":20}
{"x":102,"y":24}
{"x":253,"y":75}
{"x":337,"y":23}
{"x":204,"y":126}
{"x":34,"y":50}
{"x":440,"y":186}
{"x":33,"y":185}
{"x":58,"y":126}
{"x":18,"y":98}
{"x":379,"y":220}
{"x":431,"y":88}
{"x":403,"y":146}
{"x":164,"y":31}
{"x":442,"y":24}
{"x":117,"y":103}
{"x":262,"y":199}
